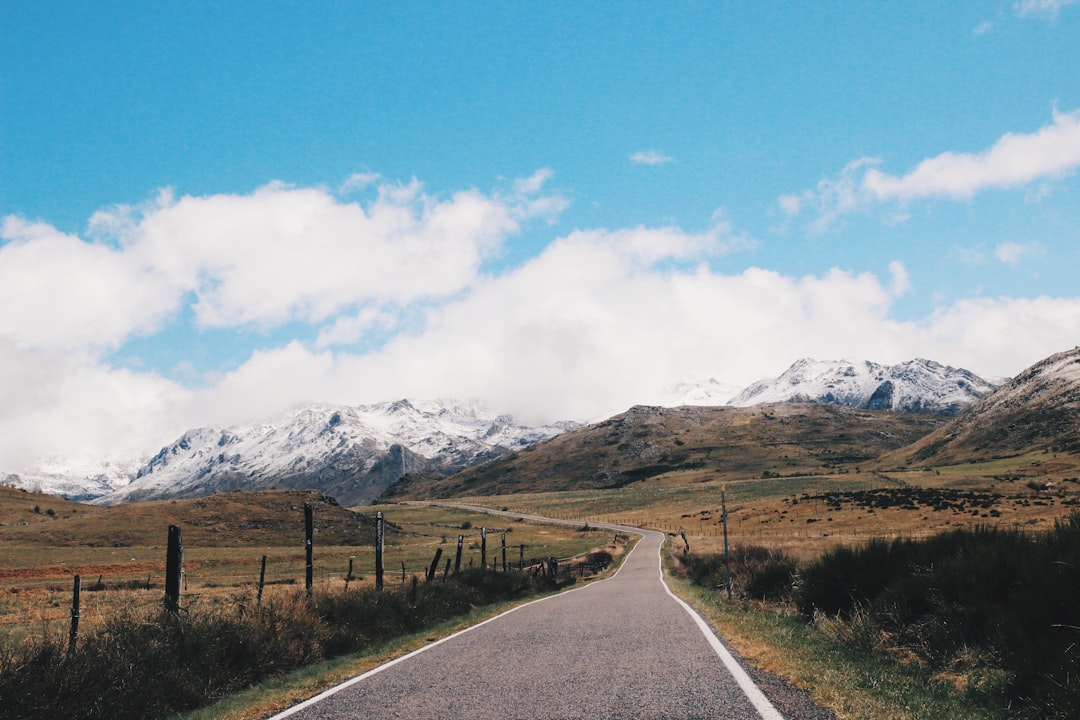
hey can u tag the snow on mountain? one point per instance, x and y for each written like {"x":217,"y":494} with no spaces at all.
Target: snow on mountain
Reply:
{"x":1038,"y":410}
{"x":703,"y":392}
{"x":921,"y":386}
{"x":73,"y":480}
{"x":352,"y":453}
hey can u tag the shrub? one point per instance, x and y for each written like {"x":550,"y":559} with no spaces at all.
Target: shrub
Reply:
{"x":997,"y":594}
{"x":757,"y":573}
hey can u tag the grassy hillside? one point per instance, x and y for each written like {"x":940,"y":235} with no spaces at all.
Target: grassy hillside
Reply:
{"x":221,"y":520}
{"x":659,"y":446}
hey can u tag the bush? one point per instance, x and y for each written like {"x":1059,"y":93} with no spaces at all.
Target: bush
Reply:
{"x":997,"y":594}
{"x":757,"y":573}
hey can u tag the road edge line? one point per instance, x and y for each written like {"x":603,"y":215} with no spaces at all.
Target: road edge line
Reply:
{"x":753,"y":693}
{"x":315,"y":699}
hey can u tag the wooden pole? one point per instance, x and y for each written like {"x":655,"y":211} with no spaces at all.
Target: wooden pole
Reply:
{"x":504,"y":552}
{"x":457,"y":558}
{"x":262,"y":581}
{"x":521,"y":558}
{"x":379,"y":523}
{"x":434,"y":565}
{"x":727,"y":555}
{"x":73,"y":638}
{"x":174,"y":568}
{"x":483,"y":548}
{"x":309,"y":531}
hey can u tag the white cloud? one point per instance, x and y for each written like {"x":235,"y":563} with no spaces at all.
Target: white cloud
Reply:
{"x":1012,"y":253}
{"x":350,"y":329}
{"x":1047,"y":8}
{"x":901,"y":281}
{"x":1015,"y":160}
{"x":650,"y":157}
{"x":594,"y":325}
{"x":58,"y":292}
{"x":276,"y":255}
{"x":70,"y":408}
{"x":983,"y":28}
{"x":358,"y":181}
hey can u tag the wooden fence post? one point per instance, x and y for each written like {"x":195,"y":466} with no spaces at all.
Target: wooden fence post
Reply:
{"x":483,"y":548}
{"x":446,"y":569}
{"x":457,"y":558}
{"x":262,"y":582}
{"x":174,"y":567}
{"x":309,"y":531}
{"x":74,"y":635}
{"x":521,"y":558}
{"x":504,"y":552}
{"x":349,"y":577}
{"x":379,"y":537}
{"x":434,"y":565}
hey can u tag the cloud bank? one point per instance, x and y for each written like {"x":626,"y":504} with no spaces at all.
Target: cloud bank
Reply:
{"x":599,"y":320}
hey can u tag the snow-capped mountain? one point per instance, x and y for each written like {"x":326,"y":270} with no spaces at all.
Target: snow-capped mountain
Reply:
{"x":352,"y":453}
{"x":74,"y":480}
{"x":703,"y":392}
{"x":1039,"y":410}
{"x":920,"y":386}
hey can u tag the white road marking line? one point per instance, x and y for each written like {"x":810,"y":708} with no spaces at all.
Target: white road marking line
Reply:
{"x":750,"y":689}
{"x":387,"y":665}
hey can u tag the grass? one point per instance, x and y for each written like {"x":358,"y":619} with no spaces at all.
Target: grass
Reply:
{"x":854,"y":684}
{"x":37,"y":564}
{"x":151,"y":663}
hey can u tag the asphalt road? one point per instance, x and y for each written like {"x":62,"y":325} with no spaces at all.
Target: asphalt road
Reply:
{"x":624,"y":647}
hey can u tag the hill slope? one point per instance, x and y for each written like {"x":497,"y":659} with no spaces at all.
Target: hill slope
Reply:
{"x":1038,"y":411}
{"x":698,"y":443}
{"x":273,"y":517}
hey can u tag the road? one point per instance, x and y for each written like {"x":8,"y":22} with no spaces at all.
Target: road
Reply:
{"x":624,"y":647}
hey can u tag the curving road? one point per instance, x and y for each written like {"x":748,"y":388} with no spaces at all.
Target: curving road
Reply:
{"x":624,"y":647}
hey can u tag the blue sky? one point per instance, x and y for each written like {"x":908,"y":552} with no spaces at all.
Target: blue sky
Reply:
{"x":211,"y":211}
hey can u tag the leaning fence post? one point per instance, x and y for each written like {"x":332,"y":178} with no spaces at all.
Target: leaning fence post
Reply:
{"x":434,"y":565}
{"x":309,"y":531}
{"x":262,"y":582}
{"x":174,"y":567}
{"x":74,"y":636}
{"x":379,"y":523}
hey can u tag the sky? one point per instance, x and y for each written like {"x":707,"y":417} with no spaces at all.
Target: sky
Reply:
{"x":213,"y":211}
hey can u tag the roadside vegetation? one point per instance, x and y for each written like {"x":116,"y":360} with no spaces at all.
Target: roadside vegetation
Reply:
{"x":983,"y":616}
{"x":132,"y":659}
{"x":150,"y":663}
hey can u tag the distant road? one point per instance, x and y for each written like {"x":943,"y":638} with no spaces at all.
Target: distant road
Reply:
{"x":624,"y":647}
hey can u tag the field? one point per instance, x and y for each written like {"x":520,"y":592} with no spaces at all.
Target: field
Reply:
{"x":120,"y":552}
{"x":806,"y":515}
